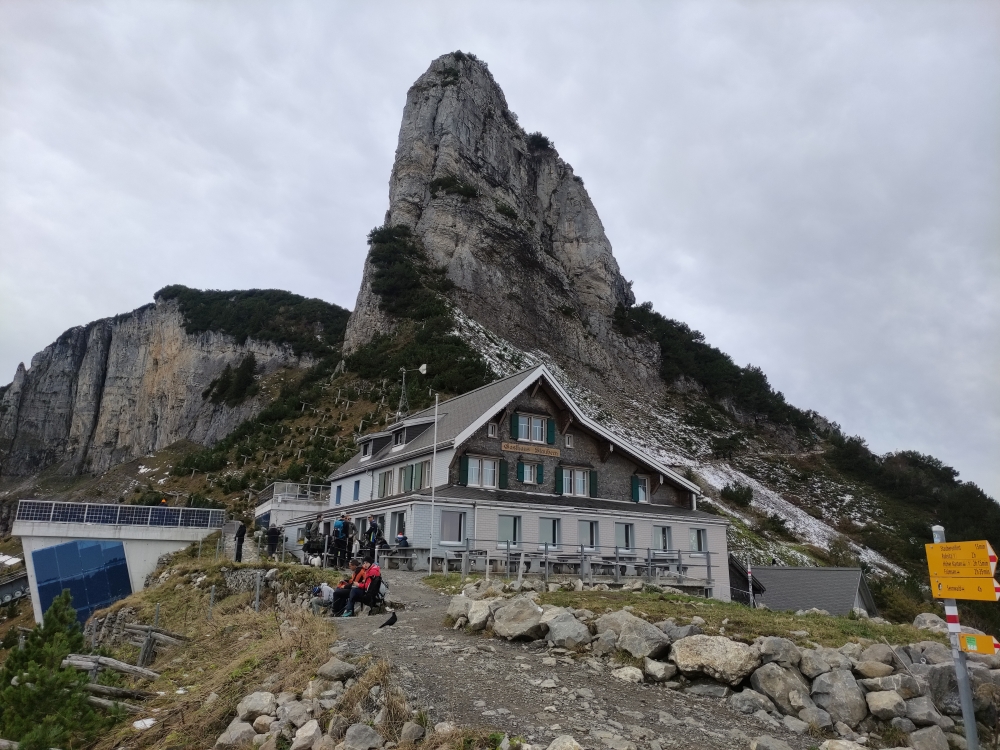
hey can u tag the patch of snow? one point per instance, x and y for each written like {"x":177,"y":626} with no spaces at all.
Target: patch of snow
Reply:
{"x":145,"y":469}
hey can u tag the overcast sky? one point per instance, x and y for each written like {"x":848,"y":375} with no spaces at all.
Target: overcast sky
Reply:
{"x":813,"y":185}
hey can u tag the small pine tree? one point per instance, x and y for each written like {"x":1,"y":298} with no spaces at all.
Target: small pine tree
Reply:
{"x":43,"y":705}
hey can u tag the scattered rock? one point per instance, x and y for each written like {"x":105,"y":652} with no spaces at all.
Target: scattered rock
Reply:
{"x":840,"y":745}
{"x":479,"y":614}
{"x":767,"y":742}
{"x":606,"y":643}
{"x":307,"y":735}
{"x":411,"y":732}
{"x":780,"y":651}
{"x":361,"y":737}
{"x":878,"y":652}
{"x":521,"y":619}
{"x":337,"y":727}
{"x":750,"y":701}
{"x":872,"y":669}
{"x":840,"y":696}
{"x":708,"y":689}
{"x":336,"y":670}
{"x":812,"y":664}
{"x":658,"y":671}
{"x":443,"y":727}
{"x":717,"y":657}
{"x":816,"y":717}
{"x":929,"y":738}
{"x":627,"y":674}
{"x":564,"y":742}
{"x":294,"y":713}
{"x":566,"y":631}
{"x":642,"y":639}
{"x":237,"y":733}
{"x":262,"y":723}
{"x":921,"y":711}
{"x":885,"y":705}
{"x":795,"y":725}
{"x":256,"y":704}
{"x":930,"y":621}
{"x":903,"y":684}
{"x":903,"y":724}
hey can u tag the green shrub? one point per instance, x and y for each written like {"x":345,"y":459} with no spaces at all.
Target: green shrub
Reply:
{"x":449,"y":76}
{"x":539,"y":142}
{"x":738,"y":493}
{"x":234,"y":386}
{"x":451,"y":185}
{"x":504,"y":210}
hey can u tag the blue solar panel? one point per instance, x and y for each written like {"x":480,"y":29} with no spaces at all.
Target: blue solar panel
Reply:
{"x":95,"y":572}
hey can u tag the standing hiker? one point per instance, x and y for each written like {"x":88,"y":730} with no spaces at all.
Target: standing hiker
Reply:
{"x":241,"y":532}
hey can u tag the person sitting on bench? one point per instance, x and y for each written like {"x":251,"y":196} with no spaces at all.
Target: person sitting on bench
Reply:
{"x":370,"y":574}
{"x":344,"y":588}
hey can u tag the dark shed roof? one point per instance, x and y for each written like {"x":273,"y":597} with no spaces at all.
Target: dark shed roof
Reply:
{"x":832,"y":589}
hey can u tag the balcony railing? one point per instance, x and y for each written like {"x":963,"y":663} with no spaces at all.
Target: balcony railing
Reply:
{"x":47,"y":511}
{"x":295,"y":492}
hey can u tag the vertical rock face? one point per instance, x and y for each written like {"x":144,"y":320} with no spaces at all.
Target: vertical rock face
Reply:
{"x":120,"y":388}
{"x":509,"y":221}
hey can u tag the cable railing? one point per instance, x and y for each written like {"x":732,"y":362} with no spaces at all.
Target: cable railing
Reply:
{"x":50,"y":511}
{"x":295,"y":492}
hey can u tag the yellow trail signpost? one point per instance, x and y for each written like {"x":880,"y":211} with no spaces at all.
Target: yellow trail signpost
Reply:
{"x":979,"y":644}
{"x":961,"y":560}
{"x":977,"y":589}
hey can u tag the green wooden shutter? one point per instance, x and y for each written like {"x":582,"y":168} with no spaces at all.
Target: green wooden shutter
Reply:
{"x":540,"y":474}
{"x":593,"y":484}
{"x":408,"y":478}
{"x":502,"y":483}
{"x":513,"y":425}
{"x":550,"y":427}
{"x":520,"y":471}
{"x":635,"y":488}
{"x":463,"y":472}
{"x":559,"y":480}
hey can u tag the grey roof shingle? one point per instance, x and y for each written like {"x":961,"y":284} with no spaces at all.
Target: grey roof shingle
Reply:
{"x":454,"y":415}
{"x":832,"y":589}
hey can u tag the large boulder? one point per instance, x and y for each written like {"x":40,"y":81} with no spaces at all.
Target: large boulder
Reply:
{"x":361,"y":737}
{"x":750,"y":702}
{"x":256,"y":704}
{"x":295,"y":713}
{"x":930,"y":621}
{"x":478,"y":614}
{"x":869,"y":669}
{"x":921,"y":711}
{"x":237,"y":733}
{"x":411,"y":732}
{"x":336,"y":670}
{"x":838,"y":694}
{"x":459,"y":606}
{"x":613,"y":621}
{"x":834,"y":658}
{"x":931,"y":652}
{"x":879,"y":652}
{"x":777,"y":682}
{"x":812,"y":664}
{"x":929,"y":738}
{"x":903,"y":684}
{"x":521,"y":619}
{"x":642,"y":639}
{"x":566,"y":631}
{"x":676,"y":632}
{"x":306,"y":736}
{"x":885,"y":705}
{"x":781,"y":651}
{"x":715,"y":656}
{"x":605,"y":644}
{"x":816,"y":717}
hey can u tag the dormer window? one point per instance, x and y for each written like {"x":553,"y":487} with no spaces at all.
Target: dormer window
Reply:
{"x":398,"y":438}
{"x":366,"y":449}
{"x":529,"y":429}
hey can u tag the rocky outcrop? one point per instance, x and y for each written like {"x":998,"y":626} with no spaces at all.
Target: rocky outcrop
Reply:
{"x":122,"y":387}
{"x":510,"y":223}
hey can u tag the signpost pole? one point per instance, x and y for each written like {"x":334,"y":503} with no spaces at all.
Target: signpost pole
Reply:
{"x":961,"y":668}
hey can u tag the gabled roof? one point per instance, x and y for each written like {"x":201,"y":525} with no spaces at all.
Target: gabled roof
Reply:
{"x":832,"y":589}
{"x":459,"y":418}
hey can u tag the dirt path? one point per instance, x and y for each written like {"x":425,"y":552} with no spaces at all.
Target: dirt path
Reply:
{"x":475,"y":681}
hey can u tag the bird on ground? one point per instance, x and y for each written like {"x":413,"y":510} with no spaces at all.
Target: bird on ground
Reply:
{"x":391,"y":621}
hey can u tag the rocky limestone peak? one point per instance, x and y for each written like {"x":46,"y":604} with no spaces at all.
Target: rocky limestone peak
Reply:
{"x":505,"y":216}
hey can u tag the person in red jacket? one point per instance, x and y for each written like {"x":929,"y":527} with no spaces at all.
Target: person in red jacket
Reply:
{"x":371,"y":575}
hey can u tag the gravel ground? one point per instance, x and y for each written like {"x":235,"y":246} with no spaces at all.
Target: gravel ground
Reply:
{"x":475,"y":681}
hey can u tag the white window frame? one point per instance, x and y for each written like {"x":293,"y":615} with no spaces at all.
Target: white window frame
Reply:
{"x":386,"y":489}
{"x":629,"y":529}
{"x":492,"y":429}
{"x":531,"y":473}
{"x":699,"y":541}
{"x":398,"y":439}
{"x":526,"y":426}
{"x":461,"y":529}
{"x":569,"y":481}
{"x":555,"y":526}
{"x":479,"y":462}
{"x":643,"y":488}
{"x":568,"y":440}
{"x":366,"y":450}
{"x":658,"y":534}
{"x":592,"y":526}
{"x":517,"y":532}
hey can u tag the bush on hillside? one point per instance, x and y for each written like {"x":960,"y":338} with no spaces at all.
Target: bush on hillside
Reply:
{"x":309,"y":326}
{"x":539,"y":142}
{"x":737,"y":493}
{"x":234,"y":386}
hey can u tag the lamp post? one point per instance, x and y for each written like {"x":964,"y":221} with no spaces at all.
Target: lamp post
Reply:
{"x":404,"y":404}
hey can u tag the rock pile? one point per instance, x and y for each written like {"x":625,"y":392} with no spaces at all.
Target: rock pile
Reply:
{"x":854,"y":690}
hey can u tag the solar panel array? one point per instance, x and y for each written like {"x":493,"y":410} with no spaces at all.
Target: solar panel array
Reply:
{"x":48,"y":511}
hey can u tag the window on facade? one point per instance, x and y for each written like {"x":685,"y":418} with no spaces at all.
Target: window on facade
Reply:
{"x":385,"y":483}
{"x":661,"y":538}
{"x":491,"y":429}
{"x":640,"y":489}
{"x":509,"y":530}
{"x":588,"y":534}
{"x":357,"y":490}
{"x":366,"y":449}
{"x":569,"y":440}
{"x":624,"y":535}
{"x":531,"y":473}
{"x":548,"y":531}
{"x":339,"y":488}
{"x":482,"y":472}
{"x":531,"y":429}
{"x":414,"y":476}
{"x":452,"y":526}
{"x":699,"y":540}
{"x":576,"y":482}
{"x":399,"y":437}
{"x":397,"y":524}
